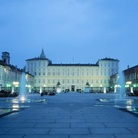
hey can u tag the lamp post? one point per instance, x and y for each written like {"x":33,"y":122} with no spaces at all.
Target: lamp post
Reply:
{"x":87,"y":87}
{"x":58,"y":87}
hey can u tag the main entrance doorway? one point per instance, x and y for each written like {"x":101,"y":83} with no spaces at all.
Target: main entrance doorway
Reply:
{"x":73,"y":88}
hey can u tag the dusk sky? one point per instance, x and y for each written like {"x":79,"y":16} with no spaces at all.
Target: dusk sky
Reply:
{"x":70,"y":31}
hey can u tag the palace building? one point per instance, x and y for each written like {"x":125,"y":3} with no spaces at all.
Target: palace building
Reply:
{"x":71,"y":77}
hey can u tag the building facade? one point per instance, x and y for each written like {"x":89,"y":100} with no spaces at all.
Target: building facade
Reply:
{"x":71,"y":77}
{"x":10,"y":75}
{"x":131,"y":79}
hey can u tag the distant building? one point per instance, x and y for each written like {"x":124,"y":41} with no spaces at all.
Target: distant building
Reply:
{"x":10,"y":75}
{"x":130,"y":80}
{"x":113,"y":82}
{"x":71,"y":77}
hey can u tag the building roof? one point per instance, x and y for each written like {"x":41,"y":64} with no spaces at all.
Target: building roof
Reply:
{"x":109,"y":59}
{"x":6,"y":52}
{"x":131,"y":70}
{"x":78,"y":64}
{"x":2,"y":63}
{"x":43,"y":54}
{"x":41,"y":57}
{"x":36,"y":58}
{"x":13,"y":68}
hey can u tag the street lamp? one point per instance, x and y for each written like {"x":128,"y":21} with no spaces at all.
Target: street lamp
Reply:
{"x":58,"y":87}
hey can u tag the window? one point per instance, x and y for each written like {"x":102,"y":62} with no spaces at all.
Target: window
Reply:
{"x":48,"y":73}
{"x":44,"y":81}
{"x":54,"y":81}
{"x":39,"y":81}
{"x":87,"y":73}
{"x":39,"y":64}
{"x":44,"y":63}
{"x":72,"y":73}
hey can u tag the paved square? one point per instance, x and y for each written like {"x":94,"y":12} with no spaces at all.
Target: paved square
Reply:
{"x":69,"y":115}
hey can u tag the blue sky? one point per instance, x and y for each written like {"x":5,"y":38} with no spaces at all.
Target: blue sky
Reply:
{"x":70,"y":31}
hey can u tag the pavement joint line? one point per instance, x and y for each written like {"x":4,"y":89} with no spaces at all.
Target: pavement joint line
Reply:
{"x":49,"y":131}
{"x":130,"y":130}
{"x":89,"y":131}
{"x":35,"y":125}
{"x":114,"y":135}
{"x":104,"y":124}
{"x":24,"y":136}
{"x":8,"y":130}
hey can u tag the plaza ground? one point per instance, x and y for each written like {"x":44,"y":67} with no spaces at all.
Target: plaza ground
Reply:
{"x":69,"y":115}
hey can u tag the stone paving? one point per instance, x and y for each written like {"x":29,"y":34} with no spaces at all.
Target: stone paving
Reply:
{"x":68,"y":115}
